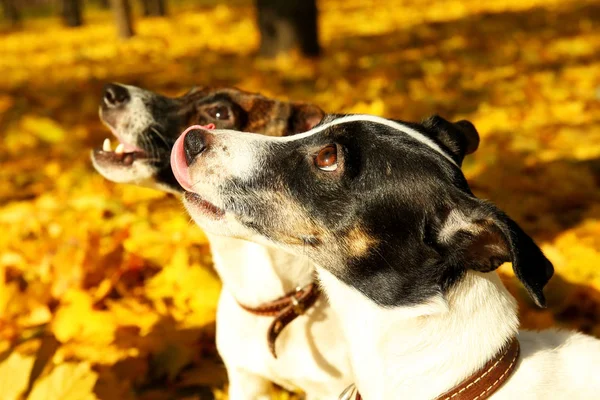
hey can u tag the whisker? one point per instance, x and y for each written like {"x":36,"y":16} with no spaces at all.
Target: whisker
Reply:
{"x":153,"y":129}
{"x":382,"y":257}
{"x":152,"y":149}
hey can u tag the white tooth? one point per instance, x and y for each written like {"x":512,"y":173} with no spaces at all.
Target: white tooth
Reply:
{"x":106,"y":145}
{"x":120,"y":148}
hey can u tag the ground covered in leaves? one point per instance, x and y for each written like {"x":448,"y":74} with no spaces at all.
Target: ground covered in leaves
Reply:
{"x":106,"y":291}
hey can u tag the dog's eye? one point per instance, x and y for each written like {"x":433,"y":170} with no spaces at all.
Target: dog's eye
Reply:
{"x":218,"y":112}
{"x":326,"y":158}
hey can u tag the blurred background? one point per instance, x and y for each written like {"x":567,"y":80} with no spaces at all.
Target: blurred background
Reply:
{"x":107,"y":291}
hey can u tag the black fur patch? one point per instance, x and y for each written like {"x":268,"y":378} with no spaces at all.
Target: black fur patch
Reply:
{"x":402,"y":192}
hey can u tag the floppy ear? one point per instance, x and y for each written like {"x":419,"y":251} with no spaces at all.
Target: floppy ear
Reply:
{"x":459,"y":138}
{"x":304,"y":117}
{"x":483,"y":238}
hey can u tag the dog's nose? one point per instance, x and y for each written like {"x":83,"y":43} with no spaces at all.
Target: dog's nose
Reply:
{"x":115,"y":95}
{"x":194,"y":143}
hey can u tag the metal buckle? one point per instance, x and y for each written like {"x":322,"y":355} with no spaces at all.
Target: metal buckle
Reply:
{"x":349,"y":393}
{"x":296,"y":305}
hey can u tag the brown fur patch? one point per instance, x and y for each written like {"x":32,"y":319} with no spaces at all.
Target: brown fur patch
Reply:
{"x":264,"y":115}
{"x":269,"y":116}
{"x":292,"y":224}
{"x":359,"y":242}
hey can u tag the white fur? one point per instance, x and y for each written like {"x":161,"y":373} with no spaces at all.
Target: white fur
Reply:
{"x":137,"y":117}
{"x":312,"y":353}
{"x":139,"y":173}
{"x":343,"y":120}
{"x":421,"y":352}
{"x":455,"y":222}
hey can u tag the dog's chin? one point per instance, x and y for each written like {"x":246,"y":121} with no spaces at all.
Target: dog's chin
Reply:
{"x":130,"y":167}
{"x":213,"y":219}
{"x":201,"y":209}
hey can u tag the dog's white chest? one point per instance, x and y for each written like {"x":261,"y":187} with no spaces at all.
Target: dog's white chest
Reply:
{"x":312,"y":354}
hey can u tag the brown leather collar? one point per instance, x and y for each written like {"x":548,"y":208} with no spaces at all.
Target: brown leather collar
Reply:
{"x":481,"y":384}
{"x":285,"y":309}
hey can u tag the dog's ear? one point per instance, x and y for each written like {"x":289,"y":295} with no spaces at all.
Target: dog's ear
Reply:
{"x":482,"y":238}
{"x":459,"y":138}
{"x":304,"y":117}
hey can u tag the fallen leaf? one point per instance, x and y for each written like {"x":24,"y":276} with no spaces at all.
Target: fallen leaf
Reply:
{"x":14,"y":375}
{"x":68,"y":381}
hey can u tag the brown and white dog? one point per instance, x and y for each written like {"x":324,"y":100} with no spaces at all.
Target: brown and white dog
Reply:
{"x":404,"y":250}
{"x":312,"y":355}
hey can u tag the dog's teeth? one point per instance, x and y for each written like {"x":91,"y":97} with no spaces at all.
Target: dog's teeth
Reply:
{"x":120,"y":148}
{"x":106,"y":145}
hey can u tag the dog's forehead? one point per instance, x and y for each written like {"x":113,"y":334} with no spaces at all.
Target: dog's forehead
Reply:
{"x":352,"y":120}
{"x":246,"y":100}
{"x":252,"y":103}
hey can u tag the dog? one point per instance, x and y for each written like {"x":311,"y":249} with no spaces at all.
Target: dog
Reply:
{"x":405,"y":252}
{"x":311,"y":354}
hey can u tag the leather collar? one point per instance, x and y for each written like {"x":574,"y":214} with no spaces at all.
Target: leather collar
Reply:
{"x":478,"y":386}
{"x":285,"y":309}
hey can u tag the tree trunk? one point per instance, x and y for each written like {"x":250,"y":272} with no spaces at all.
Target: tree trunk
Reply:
{"x":11,"y":12}
{"x":285,"y":24}
{"x":154,"y":8}
{"x":71,"y":12}
{"x":122,"y":12}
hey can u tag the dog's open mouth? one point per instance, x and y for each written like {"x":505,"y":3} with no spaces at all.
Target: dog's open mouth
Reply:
{"x":203,"y":206}
{"x":123,"y":155}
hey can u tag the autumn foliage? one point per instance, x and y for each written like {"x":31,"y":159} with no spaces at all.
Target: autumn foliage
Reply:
{"x":107,"y":291}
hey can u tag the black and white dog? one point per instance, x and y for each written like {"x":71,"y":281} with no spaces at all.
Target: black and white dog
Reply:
{"x":404,"y":250}
{"x":312,"y":354}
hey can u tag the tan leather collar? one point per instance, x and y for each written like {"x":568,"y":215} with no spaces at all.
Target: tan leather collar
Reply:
{"x":478,"y":386}
{"x":285,"y":309}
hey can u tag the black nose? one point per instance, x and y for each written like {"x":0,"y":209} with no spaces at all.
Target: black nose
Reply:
{"x":195,"y":142}
{"x":115,"y":95}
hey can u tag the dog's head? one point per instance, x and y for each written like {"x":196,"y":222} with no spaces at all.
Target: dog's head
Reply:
{"x":381,"y":204}
{"x":147,"y":124}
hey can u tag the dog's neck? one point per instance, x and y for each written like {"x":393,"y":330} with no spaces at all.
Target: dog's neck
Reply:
{"x":421,"y":352}
{"x":256,"y":274}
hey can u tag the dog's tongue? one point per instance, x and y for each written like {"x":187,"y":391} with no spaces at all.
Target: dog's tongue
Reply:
{"x":178,"y":161}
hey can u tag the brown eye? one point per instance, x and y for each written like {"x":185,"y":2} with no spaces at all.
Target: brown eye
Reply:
{"x":326,"y":158}
{"x":219,"y":112}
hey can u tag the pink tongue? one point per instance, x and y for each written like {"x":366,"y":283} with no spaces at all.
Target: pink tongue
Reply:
{"x":178,"y":161}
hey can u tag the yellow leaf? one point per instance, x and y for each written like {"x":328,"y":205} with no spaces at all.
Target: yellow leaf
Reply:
{"x":376,"y":107}
{"x":193,"y":289}
{"x":14,"y":375}
{"x":69,"y":381}
{"x":76,"y":319}
{"x":44,"y":128}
